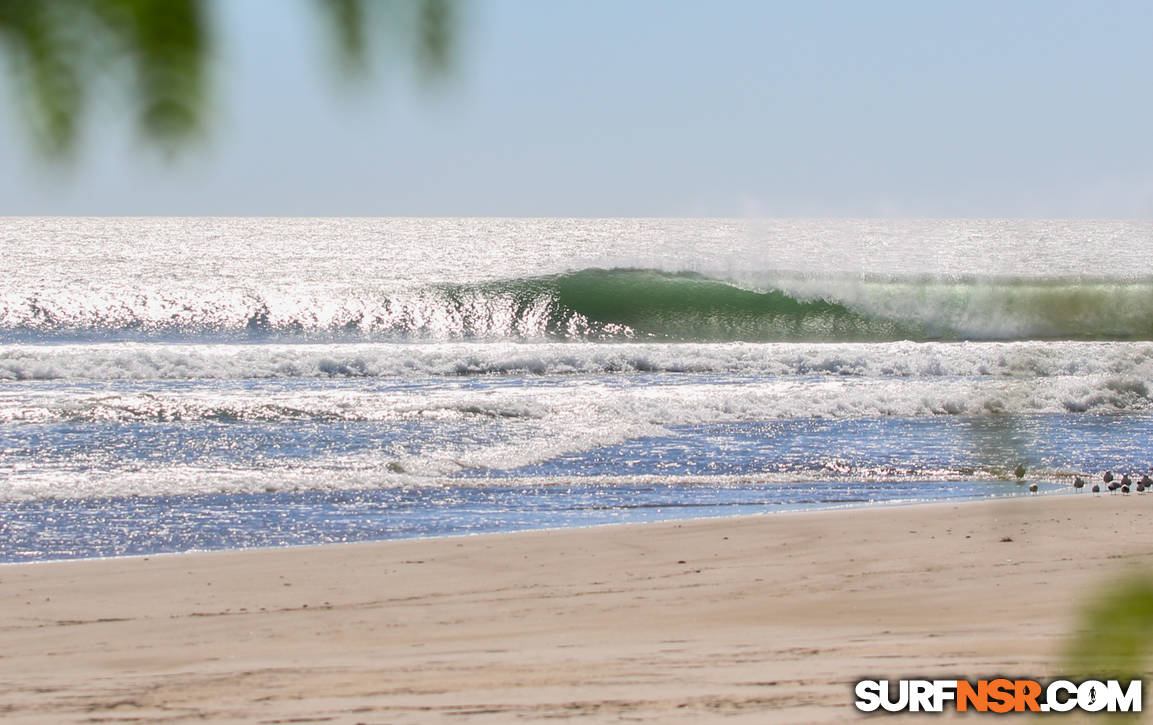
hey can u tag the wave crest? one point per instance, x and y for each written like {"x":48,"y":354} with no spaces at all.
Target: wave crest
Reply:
{"x":610,"y":304}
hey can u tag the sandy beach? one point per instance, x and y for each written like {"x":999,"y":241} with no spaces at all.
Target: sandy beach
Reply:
{"x":758,"y":619}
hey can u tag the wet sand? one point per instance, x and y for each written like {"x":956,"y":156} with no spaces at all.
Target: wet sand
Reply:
{"x":755,"y":619}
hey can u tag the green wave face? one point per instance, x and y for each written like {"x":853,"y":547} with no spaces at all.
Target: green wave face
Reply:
{"x":687,"y":306}
{"x":645,"y":304}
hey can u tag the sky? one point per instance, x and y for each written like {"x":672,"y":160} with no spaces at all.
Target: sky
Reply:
{"x":746,"y":108}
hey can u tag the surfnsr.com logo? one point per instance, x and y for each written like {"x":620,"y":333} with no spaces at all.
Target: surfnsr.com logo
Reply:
{"x":1001,"y":695}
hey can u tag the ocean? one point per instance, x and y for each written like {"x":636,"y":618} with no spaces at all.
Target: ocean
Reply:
{"x":176,"y":384}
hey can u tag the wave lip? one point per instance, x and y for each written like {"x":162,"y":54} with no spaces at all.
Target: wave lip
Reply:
{"x":621,"y":304}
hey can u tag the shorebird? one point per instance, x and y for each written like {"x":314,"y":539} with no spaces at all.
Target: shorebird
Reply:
{"x":1032,"y":488}
{"x":1126,"y":481}
{"x":1124,"y":489}
{"x":1078,"y":483}
{"x":1113,"y":486}
{"x":1019,"y":471}
{"x":1096,"y":488}
{"x":1146,"y":481}
{"x":1140,"y":487}
{"x":1108,"y":477}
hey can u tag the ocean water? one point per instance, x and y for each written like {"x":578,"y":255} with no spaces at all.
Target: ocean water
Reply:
{"x":171,"y":384}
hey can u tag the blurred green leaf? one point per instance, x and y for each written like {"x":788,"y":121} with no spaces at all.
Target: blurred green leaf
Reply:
{"x":428,"y":27}
{"x":1115,"y":632}
{"x":436,"y":39}
{"x":46,"y":62}
{"x":347,"y":23}
{"x":61,"y":52}
{"x":166,"y":45}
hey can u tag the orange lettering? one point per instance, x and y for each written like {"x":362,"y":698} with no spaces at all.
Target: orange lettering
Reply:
{"x":978,"y":698}
{"x":1027,"y":692}
{"x":1001,"y":693}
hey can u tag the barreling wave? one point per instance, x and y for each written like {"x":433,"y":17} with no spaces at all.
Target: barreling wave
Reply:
{"x":607,"y":305}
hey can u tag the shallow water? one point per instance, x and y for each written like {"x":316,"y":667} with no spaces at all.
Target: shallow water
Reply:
{"x":84,"y":528}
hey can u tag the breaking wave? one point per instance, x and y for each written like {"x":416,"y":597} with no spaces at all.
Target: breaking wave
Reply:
{"x":608,"y":305}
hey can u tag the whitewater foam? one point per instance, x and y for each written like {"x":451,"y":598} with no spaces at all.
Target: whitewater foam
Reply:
{"x":167,"y":361}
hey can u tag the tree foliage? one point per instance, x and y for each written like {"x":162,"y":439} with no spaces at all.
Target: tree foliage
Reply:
{"x":1116,"y":632}
{"x":156,"y":53}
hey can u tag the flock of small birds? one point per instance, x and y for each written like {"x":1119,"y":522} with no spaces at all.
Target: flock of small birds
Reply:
{"x":1125,"y":484}
{"x":1112,"y":483}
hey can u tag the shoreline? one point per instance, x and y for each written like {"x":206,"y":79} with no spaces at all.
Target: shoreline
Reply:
{"x":763,"y":618}
{"x":802,"y":509}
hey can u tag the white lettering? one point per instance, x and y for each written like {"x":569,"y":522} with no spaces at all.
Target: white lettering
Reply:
{"x":1053,"y":696}
{"x":1124,"y":700}
{"x":1091,"y":696}
{"x":868,"y":695}
{"x":902,"y":700}
{"x":920,"y":696}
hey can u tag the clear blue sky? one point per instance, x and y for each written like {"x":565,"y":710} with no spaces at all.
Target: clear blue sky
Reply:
{"x":657,"y":108}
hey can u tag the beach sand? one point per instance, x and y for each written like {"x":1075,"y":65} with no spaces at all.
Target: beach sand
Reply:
{"x":759,"y":619}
